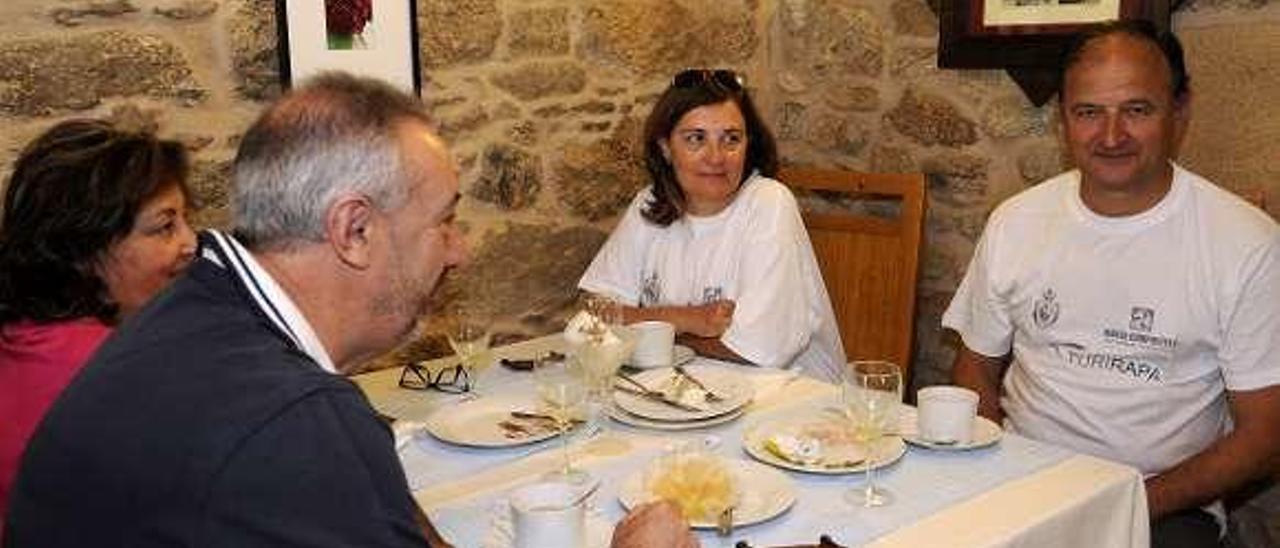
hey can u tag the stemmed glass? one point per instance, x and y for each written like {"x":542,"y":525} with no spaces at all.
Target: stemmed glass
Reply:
{"x":469,"y":335}
{"x":606,"y":309}
{"x":872,"y":394}
{"x":562,"y":387}
{"x":607,"y":345}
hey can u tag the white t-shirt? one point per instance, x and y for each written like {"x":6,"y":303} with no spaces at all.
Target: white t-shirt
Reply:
{"x":1125,"y":332}
{"x":755,"y":252}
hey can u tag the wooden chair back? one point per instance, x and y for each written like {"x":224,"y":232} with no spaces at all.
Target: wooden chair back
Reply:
{"x":869,"y":260}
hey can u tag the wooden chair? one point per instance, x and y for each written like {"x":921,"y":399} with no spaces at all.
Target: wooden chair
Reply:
{"x":870,"y":263}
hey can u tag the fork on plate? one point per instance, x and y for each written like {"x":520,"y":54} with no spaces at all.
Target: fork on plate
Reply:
{"x":724,"y":522}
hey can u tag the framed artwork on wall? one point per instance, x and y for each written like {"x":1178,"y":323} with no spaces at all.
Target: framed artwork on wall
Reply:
{"x":1027,"y":37}
{"x":377,"y":38}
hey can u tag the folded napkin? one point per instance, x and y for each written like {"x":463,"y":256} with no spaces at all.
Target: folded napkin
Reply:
{"x":405,"y":431}
{"x":701,"y":483}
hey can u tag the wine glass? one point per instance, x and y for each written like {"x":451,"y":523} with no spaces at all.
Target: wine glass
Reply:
{"x":604,"y":308}
{"x":562,"y":388}
{"x":872,"y":394}
{"x":469,"y":336}
{"x":600,"y":361}
{"x":607,"y":345}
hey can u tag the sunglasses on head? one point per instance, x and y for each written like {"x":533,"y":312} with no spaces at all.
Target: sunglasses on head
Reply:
{"x":691,"y":78}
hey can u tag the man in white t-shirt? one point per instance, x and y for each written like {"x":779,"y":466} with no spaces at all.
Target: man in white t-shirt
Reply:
{"x":1129,"y":308}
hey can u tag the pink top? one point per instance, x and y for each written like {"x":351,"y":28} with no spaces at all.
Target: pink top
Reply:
{"x":36,"y":361}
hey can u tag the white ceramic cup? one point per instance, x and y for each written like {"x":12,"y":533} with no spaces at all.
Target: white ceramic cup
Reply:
{"x":946,"y":414}
{"x":655,"y":342}
{"x":545,"y":514}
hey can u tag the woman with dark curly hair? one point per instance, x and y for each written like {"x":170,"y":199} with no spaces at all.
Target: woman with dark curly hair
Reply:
{"x":94,"y":225}
{"x":715,"y":246}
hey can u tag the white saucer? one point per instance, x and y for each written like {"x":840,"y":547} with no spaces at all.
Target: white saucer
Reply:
{"x":985,"y":433}
{"x":680,"y":355}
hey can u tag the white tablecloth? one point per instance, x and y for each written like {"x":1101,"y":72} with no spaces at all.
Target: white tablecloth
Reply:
{"x":1016,"y":493}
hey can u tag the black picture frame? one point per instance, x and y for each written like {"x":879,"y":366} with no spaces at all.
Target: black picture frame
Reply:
{"x":391,"y":53}
{"x":1030,"y":52}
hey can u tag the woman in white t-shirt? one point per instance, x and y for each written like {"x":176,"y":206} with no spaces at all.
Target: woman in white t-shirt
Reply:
{"x":714,"y":245}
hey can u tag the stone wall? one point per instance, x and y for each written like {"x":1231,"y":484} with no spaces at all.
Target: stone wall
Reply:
{"x":543,"y":99}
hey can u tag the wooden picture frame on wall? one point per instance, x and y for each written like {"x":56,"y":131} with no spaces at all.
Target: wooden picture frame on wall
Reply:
{"x":1027,"y":37}
{"x":376,"y":38}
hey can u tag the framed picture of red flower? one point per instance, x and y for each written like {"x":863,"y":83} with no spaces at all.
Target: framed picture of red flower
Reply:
{"x":377,"y":38}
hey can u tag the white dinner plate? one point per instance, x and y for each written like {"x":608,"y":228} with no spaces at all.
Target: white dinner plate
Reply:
{"x":680,"y":355}
{"x":733,"y":386}
{"x":985,"y":433}
{"x":624,"y":417}
{"x":763,"y":493}
{"x":487,"y":422}
{"x":840,"y":455}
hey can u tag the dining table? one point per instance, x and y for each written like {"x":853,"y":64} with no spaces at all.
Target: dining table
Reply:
{"x":1015,"y":492}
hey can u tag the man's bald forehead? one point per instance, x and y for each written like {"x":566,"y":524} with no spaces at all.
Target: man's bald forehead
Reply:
{"x":1163,"y":44}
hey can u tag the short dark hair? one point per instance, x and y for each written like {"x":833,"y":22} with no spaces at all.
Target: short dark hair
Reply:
{"x":682,"y":96}
{"x":1164,"y":41}
{"x":74,"y":192}
{"x":336,"y":132}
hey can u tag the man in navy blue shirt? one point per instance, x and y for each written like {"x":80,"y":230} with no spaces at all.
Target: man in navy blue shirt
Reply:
{"x":219,"y":415}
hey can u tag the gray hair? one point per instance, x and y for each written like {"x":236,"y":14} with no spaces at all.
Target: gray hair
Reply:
{"x":334,"y":135}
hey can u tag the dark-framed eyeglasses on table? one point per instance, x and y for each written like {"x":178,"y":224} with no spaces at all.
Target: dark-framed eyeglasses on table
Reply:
{"x":452,"y":379}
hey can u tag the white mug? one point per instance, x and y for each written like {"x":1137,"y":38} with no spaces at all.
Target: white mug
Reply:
{"x":548,"y":514}
{"x":655,"y":342}
{"x":946,"y":414}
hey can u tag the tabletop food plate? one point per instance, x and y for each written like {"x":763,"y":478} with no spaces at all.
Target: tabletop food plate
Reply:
{"x":985,"y":434}
{"x":680,"y":355}
{"x":818,"y":428}
{"x":734,"y":387}
{"x":488,"y":422}
{"x":629,"y":419}
{"x":763,"y":494}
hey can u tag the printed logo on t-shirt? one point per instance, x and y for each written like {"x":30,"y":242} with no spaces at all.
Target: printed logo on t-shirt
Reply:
{"x":1142,"y":323}
{"x":650,"y":289}
{"x":1141,"y":319}
{"x":1133,"y":367}
{"x":1044,"y":313}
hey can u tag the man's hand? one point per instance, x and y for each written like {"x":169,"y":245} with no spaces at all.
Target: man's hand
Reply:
{"x":709,"y":320}
{"x":654,"y":525}
{"x":1247,"y":453}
